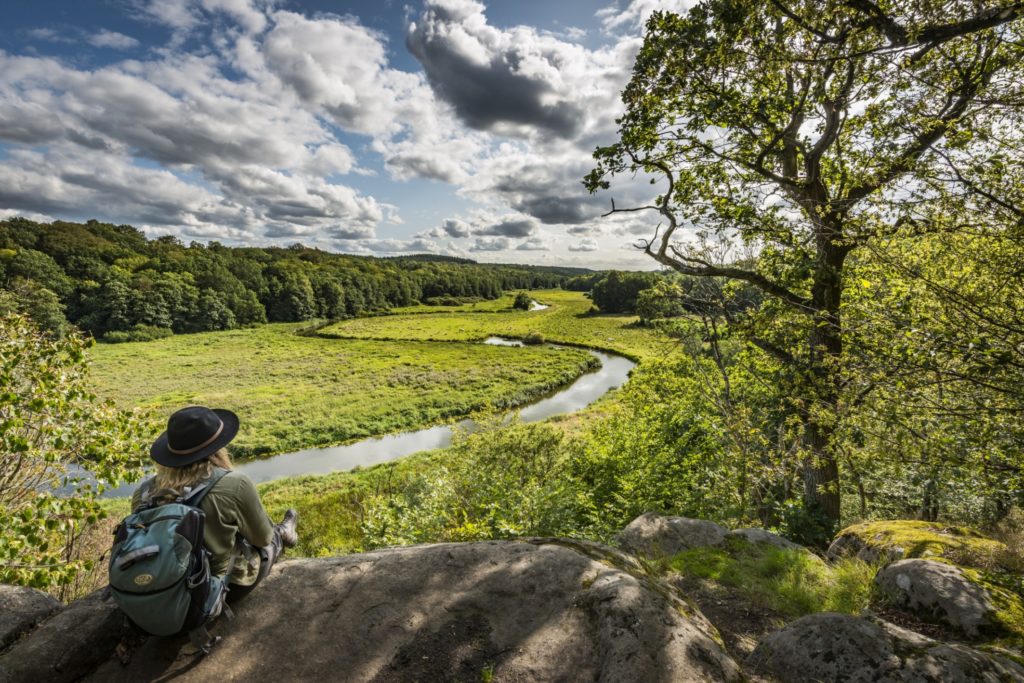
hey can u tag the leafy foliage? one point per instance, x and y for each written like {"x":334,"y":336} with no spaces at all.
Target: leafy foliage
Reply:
{"x":53,"y":430}
{"x":617,"y":292}
{"x":664,"y":300}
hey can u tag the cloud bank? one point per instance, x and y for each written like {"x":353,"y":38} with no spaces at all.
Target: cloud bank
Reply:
{"x":256,"y":124}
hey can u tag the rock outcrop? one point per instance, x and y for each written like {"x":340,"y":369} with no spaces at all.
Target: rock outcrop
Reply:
{"x":936,"y":591}
{"x":21,"y":609}
{"x":832,"y":647}
{"x":755,"y":535}
{"x":654,"y":535}
{"x":512,"y":611}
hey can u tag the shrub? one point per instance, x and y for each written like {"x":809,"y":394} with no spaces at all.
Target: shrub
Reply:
{"x":53,"y":431}
{"x":139,"y":333}
{"x":497,"y":483}
{"x":533,"y":338}
{"x":522,"y":301}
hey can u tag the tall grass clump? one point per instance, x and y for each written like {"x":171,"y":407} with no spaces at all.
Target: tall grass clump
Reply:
{"x":792,"y":582}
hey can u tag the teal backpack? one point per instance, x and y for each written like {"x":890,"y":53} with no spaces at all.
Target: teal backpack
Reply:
{"x":160,"y":568}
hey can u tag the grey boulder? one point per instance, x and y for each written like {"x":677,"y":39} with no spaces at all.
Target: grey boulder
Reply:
{"x":756,"y":535}
{"x":656,"y":535}
{"x":840,"y":647}
{"x":936,"y":591}
{"x":539,"y":610}
{"x":21,"y":608}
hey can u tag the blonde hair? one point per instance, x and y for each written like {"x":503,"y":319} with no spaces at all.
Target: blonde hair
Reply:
{"x":177,"y":478}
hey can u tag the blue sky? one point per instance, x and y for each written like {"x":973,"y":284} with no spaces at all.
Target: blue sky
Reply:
{"x":448,"y":126}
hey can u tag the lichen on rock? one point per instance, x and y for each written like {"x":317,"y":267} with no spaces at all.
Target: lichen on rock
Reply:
{"x":830,"y":647}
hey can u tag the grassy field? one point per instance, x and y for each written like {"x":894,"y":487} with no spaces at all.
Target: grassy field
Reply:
{"x":568,"y":320}
{"x":297,"y":391}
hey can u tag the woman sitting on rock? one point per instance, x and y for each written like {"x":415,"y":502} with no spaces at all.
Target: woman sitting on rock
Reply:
{"x":242,"y":540}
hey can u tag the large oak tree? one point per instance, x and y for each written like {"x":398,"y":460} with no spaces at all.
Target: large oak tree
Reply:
{"x":806,"y":130}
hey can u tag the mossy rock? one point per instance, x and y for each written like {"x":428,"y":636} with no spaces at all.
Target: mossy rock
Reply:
{"x":984,"y":561}
{"x":905,"y":539}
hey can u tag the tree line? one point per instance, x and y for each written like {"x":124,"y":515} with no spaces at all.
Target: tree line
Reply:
{"x":113,"y":282}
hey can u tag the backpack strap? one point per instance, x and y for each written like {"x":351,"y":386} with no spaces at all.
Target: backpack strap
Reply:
{"x":146,"y":494}
{"x":196,"y":495}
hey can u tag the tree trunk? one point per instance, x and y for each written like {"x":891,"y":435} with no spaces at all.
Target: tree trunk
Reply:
{"x":821,"y":472}
{"x":821,"y":469}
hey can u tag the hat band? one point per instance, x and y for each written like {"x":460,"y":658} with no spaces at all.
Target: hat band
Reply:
{"x":190,"y":451}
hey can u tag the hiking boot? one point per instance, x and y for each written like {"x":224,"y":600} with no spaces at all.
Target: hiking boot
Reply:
{"x":289,"y":535}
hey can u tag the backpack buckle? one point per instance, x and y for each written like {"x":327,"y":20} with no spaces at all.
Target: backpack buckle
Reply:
{"x":202,"y":640}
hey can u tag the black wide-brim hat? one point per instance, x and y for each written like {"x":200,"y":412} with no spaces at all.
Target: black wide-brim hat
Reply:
{"x":193,"y":434}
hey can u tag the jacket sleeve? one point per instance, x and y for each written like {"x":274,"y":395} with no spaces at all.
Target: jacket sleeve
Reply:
{"x":252,"y":519}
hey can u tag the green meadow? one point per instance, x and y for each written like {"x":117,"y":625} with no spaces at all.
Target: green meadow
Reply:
{"x":331,"y":506}
{"x":296,"y":391}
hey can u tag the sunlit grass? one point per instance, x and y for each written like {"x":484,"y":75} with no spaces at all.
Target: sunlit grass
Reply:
{"x":789,"y":581}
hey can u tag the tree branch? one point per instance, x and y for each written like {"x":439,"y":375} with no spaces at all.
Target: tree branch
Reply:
{"x":806,"y":26}
{"x":689,"y":265}
{"x":916,"y":148}
{"x":773,"y":350}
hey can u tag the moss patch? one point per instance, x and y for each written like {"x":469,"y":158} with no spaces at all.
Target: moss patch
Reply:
{"x":960,"y":545}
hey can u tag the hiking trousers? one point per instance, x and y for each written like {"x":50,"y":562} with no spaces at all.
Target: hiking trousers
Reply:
{"x":268,"y":556}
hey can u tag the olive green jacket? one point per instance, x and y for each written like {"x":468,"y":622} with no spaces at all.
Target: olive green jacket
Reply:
{"x":234,"y":514}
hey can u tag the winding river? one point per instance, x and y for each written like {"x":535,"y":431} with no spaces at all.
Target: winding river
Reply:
{"x":612,"y":373}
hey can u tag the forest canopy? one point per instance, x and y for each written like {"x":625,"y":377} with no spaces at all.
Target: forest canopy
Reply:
{"x":113,"y":282}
